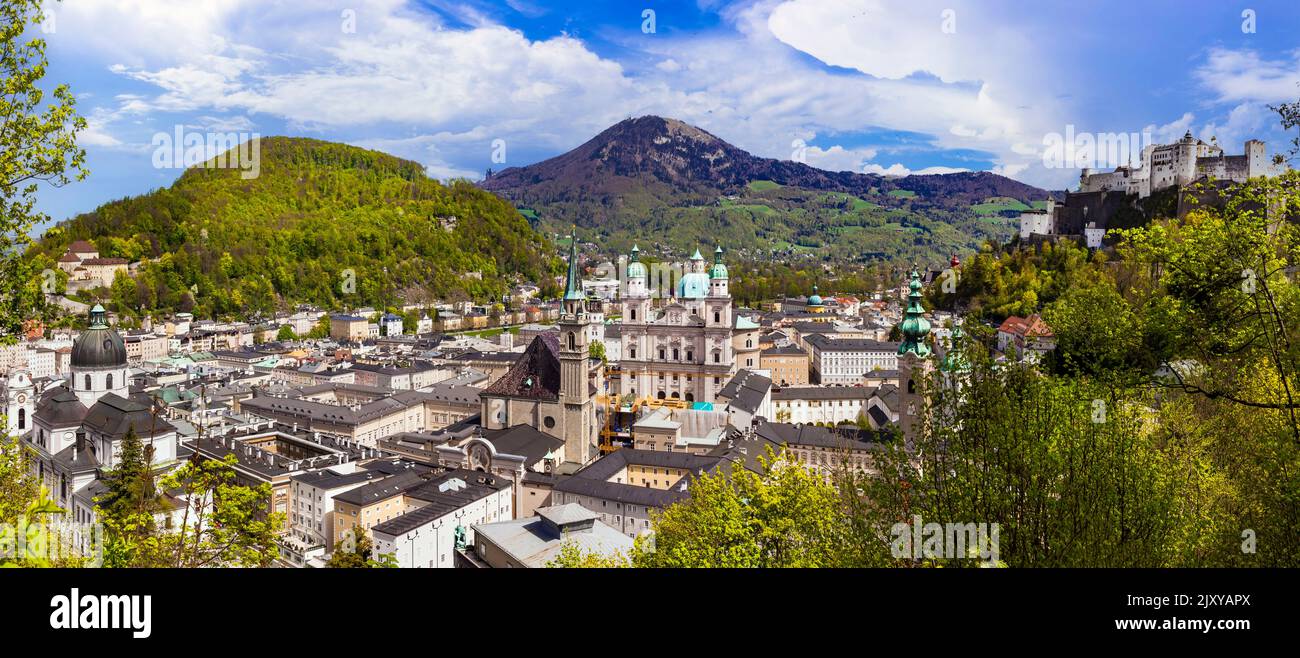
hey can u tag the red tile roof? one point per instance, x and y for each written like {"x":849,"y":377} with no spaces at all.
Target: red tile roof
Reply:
{"x":1026,"y":327}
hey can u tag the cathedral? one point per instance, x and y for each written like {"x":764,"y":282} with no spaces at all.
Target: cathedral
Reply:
{"x":682,"y":349}
{"x":76,"y":428}
{"x":554,"y":384}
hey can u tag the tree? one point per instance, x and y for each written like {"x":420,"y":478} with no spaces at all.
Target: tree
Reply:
{"x":128,"y":508}
{"x":38,"y":144}
{"x":783,"y":516}
{"x":286,"y":333}
{"x":573,"y":556}
{"x":597,"y":351}
{"x":322,"y":328}
{"x":18,"y":486}
{"x":356,"y":551}
{"x":223,"y":523}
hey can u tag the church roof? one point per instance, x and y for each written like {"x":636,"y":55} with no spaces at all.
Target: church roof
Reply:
{"x":535,"y":375}
{"x":60,"y":408}
{"x":114,"y":415}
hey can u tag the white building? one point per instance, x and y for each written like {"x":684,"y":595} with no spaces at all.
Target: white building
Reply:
{"x":449,"y":506}
{"x":845,"y":361}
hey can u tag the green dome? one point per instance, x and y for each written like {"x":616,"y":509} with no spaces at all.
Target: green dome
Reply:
{"x":694,"y":285}
{"x":718,"y":271}
{"x":815,"y":299}
{"x":635,"y":269}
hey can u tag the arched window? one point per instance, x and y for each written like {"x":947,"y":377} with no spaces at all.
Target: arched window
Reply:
{"x":573,"y":341}
{"x":633,"y":314}
{"x":108,"y":380}
{"x":690,"y":397}
{"x":660,"y":395}
{"x":22,"y":419}
{"x":675,"y":354}
{"x":717,"y":317}
{"x":87,"y":382}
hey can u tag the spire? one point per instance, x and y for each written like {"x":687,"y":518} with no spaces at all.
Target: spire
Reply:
{"x":697,"y":255}
{"x":573,"y":285}
{"x":915,"y":327}
{"x":717,"y":255}
{"x":636,"y":253}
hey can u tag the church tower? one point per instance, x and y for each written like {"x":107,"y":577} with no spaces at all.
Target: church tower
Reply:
{"x":19,"y":403}
{"x":913,"y":363}
{"x":575,"y":393}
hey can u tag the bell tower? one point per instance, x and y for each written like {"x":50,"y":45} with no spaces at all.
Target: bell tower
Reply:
{"x":19,"y":393}
{"x":575,"y":352}
{"x":913,"y":363}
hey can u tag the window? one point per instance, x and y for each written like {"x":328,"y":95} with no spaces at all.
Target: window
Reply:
{"x":633,"y":314}
{"x":573,"y":341}
{"x":717,"y":317}
{"x":717,"y":357}
{"x":631,"y":352}
{"x":108,"y":380}
{"x":676,"y":355}
{"x":22,"y":419}
{"x":549,"y":422}
{"x":661,"y":354}
{"x":87,"y":382}
{"x":690,"y":356}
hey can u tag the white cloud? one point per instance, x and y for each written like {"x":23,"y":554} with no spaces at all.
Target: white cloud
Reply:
{"x":1243,"y":75}
{"x":838,"y":158}
{"x":898,"y":170}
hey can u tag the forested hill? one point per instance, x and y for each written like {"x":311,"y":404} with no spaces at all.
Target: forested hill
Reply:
{"x":217,"y":243}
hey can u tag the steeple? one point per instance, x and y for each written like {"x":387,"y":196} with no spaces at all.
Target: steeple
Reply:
{"x":915,"y":327}
{"x":574,"y":301}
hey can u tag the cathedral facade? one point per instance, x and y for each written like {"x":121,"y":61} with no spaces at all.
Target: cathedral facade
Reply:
{"x":682,"y":348}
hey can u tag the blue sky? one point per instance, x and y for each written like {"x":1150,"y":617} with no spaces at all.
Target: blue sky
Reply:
{"x":883,"y":86}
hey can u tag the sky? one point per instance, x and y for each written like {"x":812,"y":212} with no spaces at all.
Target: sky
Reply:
{"x":877,"y":86}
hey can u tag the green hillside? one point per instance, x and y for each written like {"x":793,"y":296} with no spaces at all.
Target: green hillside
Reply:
{"x":217,"y":244}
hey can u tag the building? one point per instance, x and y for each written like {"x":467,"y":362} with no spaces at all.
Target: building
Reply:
{"x":352,"y":328}
{"x":835,"y":405}
{"x":682,"y":349}
{"x":534,"y":542}
{"x":1025,"y":338}
{"x":625,"y":485}
{"x":913,"y":363}
{"x":822,"y":450}
{"x":844,"y":361}
{"x":1181,"y":163}
{"x":76,"y":432}
{"x":788,"y":364}
{"x":552,"y":387}
{"x":443,"y":513}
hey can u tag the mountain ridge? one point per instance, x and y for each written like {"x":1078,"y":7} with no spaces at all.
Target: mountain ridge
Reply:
{"x":644,"y":175}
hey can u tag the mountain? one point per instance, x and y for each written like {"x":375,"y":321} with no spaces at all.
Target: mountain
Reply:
{"x":656,"y":180}
{"x":317,"y":216}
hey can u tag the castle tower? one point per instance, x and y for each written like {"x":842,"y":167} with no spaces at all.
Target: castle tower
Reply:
{"x":718,"y":312}
{"x":19,"y":403}
{"x":98,"y":361}
{"x":575,"y":394}
{"x":913,"y":362}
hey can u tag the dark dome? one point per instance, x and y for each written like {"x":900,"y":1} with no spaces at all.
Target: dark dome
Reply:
{"x":99,"y":346}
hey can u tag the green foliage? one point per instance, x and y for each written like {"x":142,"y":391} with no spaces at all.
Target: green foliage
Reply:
{"x":286,"y":333}
{"x":127,"y":509}
{"x":38,"y":145}
{"x":572,"y":556}
{"x":784,"y":516}
{"x":223,"y":523}
{"x":327,"y":224}
{"x":39,"y":551}
{"x":356,"y":551}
